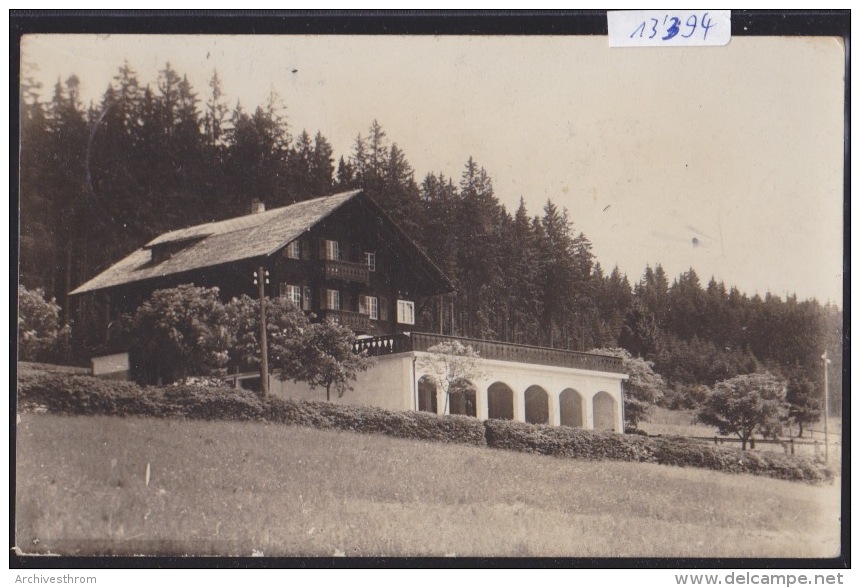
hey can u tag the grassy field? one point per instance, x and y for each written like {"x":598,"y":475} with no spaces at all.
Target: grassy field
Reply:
{"x":662,"y":421}
{"x":236,"y":488}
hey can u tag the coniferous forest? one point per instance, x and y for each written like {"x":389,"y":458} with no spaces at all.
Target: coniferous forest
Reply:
{"x":98,"y":180}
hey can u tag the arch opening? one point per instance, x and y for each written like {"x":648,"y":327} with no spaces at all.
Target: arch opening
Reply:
{"x":462,"y":397}
{"x":604,"y":408}
{"x":537,"y":405}
{"x":427,"y":395}
{"x":571,"y":408}
{"x":500,"y":401}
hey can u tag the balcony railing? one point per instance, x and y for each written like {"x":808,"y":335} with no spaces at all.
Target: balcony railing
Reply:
{"x":359,"y":323}
{"x":384,"y":345}
{"x":493,"y":350}
{"x":346,"y":271}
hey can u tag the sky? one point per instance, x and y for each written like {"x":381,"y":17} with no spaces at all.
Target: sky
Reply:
{"x":728,"y":159}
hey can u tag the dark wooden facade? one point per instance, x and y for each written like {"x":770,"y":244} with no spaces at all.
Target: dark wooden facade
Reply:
{"x":368,"y":269}
{"x":379,"y":275}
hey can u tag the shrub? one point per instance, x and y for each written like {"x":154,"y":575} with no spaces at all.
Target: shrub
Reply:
{"x":369,"y":419}
{"x":213,"y":403}
{"x":87,"y":395}
{"x":675,"y":451}
{"x":564,"y":441}
{"x":80,"y":395}
{"x":40,"y":336}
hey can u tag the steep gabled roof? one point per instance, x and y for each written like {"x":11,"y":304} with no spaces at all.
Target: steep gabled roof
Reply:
{"x":210,"y":244}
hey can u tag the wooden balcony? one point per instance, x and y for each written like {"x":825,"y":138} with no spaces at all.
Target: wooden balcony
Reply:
{"x":360,"y":323}
{"x":346,"y":272}
{"x":493,"y":350}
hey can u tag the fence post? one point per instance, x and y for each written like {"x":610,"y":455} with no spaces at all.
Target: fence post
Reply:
{"x":792,"y":445}
{"x":752,"y":442}
{"x":715,"y":439}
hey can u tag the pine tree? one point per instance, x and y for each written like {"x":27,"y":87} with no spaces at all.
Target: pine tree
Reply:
{"x":559,"y":274}
{"x":524,"y":277}
{"x":216,"y":113}
{"x":476,"y":250}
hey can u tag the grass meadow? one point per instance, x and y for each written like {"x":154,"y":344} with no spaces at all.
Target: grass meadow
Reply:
{"x":108,"y":485}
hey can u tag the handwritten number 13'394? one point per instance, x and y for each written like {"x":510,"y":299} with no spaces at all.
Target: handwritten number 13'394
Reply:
{"x":671,"y":27}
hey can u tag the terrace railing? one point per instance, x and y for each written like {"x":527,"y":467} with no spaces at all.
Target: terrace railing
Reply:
{"x":493,"y":350}
{"x":384,"y":345}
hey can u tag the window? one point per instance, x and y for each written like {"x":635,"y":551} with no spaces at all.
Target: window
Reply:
{"x":294,"y":293}
{"x":332,"y":299}
{"x":369,"y":305}
{"x":406,"y":312}
{"x":294,"y":250}
{"x":370,"y":260}
{"x":332,"y":250}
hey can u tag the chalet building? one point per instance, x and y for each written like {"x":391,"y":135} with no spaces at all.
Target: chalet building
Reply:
{"x":342,"y":258}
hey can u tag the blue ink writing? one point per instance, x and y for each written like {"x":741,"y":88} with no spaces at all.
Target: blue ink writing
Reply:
{"x":671,"y":27}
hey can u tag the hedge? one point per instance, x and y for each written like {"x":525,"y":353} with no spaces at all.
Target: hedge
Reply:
{"x":369,"y":419}
{"x":84,"y":395}
{"x":675,"y":451}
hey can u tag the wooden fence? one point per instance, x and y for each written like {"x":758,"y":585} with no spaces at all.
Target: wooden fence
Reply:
{"x":791,"y":446}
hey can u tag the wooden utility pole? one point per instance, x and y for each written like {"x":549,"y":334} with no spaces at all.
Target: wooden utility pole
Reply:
{"x":264,"y":350}
{"x":826,"y":408}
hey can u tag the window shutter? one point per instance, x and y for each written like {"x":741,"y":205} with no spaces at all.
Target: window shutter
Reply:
{"x":323,"y":298}
{"x":304,"y":249}
{"x":362,"y":305}
{"x":322,"y":251}
{"x":383,"y":308}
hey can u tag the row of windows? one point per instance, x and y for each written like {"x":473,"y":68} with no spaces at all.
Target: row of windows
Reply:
{"x":369,"y":305}
{"x":332,"y":251}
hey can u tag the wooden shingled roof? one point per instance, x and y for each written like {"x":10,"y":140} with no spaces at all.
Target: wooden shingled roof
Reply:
{"x":236,"y":239}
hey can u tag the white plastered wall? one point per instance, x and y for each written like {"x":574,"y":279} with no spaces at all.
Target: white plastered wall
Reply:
{"x":554,"y":380}
{"x":392,"y":384}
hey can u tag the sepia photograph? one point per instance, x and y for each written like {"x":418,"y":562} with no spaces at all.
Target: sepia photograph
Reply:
{"x":431,"y":295}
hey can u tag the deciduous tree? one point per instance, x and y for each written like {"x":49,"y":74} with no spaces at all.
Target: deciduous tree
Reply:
{"x":40,"y":337}
{"x":323,"y":357}
{"x":183,"y":332}
{"x":452,"y":365}
{"x":746,"y":405}
{"x":285,"y":324}
{"x":804,"y":403}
